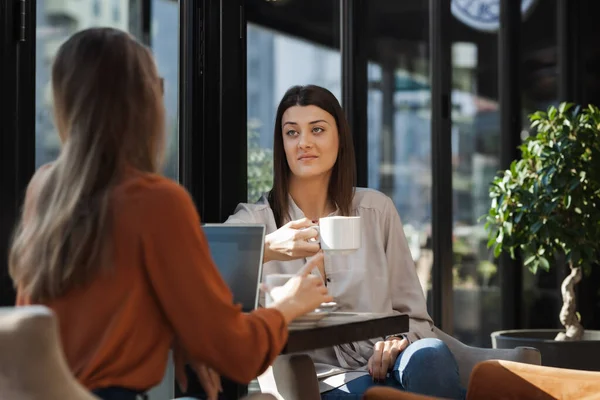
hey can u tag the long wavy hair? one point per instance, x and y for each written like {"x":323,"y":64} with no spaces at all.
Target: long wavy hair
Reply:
{"x":109,"y":114}
{"x":343,"y":174}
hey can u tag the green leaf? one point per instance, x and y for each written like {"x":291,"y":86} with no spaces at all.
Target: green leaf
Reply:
{"x":529,"y":260}
{"x":544,"y":263}
{"x":574,"y":184}
{"x":567,"y":201}
{"x":536,"y":227}
{"x":518,"y":217}
{"x":534,"y":267}
{"x":564,"y":107}
{"x":500,"y":237}
{"x":497,"y":250}
{"x":513,"y":167}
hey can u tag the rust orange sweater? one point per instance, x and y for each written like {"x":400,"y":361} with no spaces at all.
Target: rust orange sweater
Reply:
{"x":117,"y":330}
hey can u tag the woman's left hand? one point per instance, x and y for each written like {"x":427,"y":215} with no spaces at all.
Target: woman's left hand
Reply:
{"x":209,"y":379}
{"x":384,"y":356}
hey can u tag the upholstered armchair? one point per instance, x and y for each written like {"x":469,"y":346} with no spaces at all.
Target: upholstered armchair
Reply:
{"x":32,"y":364}
{"x":499,"y":379}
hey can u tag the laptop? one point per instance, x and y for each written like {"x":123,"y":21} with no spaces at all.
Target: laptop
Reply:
{"x":237,"y":250}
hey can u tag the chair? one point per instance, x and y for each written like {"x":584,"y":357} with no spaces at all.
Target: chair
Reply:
{"x":496,"y":379}
{"x":294,"y":377}
{"x":32,"y":365}
{"x":467,"y":356}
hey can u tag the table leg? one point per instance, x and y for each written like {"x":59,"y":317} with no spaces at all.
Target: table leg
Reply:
{"x":291,"y":377}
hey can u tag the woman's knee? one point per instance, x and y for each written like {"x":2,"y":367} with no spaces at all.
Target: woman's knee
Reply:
{"x":427,"y":366}
{"x":426,"y":353}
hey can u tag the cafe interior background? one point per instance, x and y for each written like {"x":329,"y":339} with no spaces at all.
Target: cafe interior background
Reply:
{"x":437,"y":93}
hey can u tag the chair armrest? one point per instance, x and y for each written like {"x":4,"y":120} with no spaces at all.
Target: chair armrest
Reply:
{"x":497,"y":379}
{"x":467,"y":357}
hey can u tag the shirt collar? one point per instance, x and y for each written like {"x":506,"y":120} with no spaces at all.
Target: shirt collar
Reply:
{"x":296,"y":213}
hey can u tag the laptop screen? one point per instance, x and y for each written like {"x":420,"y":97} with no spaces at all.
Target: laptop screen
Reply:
{"x":238,"y":252}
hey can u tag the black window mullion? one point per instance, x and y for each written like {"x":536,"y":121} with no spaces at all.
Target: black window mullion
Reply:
{"x":509,"y":89}
{"x":213,"y":137}
{"x":569,"y":34}
{"x":8,"y":136}
{"x":191,"y":85}
{"x":17,"y":131}
{"x":441,"y":153}
{"x":355,"y":80}
{"x":233,"y":134}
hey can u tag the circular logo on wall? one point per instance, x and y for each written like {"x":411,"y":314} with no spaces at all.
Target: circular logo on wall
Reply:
{"x":484,"y":15}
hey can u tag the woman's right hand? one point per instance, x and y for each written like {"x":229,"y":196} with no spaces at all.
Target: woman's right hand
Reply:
{"x":292,"y":241}
{"x":302,"y":293}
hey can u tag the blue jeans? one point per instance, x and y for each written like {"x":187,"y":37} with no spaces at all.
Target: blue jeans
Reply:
{"x":425,"y":367}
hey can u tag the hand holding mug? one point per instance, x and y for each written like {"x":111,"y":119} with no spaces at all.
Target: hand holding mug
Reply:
{"x":294,"y":240}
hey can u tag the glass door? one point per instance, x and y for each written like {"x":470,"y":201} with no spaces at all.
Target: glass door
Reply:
{"x":59,"y":19}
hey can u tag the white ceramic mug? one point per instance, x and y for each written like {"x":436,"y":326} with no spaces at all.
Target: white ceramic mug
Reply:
{"x":340,"y":235}
{"x":274,"y":283}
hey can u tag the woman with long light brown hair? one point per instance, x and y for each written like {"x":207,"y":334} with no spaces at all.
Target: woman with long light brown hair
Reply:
{"x":117,"y":251}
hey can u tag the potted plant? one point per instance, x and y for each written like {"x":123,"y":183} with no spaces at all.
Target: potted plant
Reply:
{"x":547,"y":207}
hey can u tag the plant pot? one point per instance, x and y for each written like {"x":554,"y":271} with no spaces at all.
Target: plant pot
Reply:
{"x":581,"y":354}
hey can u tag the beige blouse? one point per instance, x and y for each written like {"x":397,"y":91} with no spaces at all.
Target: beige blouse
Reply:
{"x":380,"y":277}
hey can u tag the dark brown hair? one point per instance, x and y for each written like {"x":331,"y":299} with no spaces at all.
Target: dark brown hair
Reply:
{"x":109,"y":114}
{"x":343,"y":175}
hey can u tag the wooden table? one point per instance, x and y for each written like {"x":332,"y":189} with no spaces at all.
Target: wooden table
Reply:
{"x":292,"y":374}
{"x":340,"y":328}
{"x":337,"y":328}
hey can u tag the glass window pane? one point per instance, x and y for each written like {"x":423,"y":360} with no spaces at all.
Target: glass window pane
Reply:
{"x":476,"y":157}
{"x":57,"y":20}
{"x":475,"y":161}
{"x":541,"y":292}
{"x":275,"y":62}
{"x":399,"y":120}
{"x":165,"y":37}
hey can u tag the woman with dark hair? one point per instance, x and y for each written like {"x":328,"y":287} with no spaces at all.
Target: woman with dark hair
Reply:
{"x":117,"y":251}
{"x":314,"y":177}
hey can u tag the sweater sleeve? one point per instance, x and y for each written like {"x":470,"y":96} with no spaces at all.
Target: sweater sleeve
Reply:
{"x":194,"y":297}
{"x":407,"y":295}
